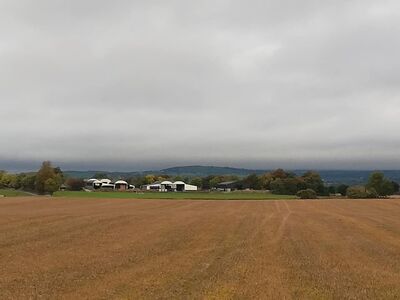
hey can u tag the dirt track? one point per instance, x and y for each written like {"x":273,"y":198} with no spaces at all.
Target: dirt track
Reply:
{"x":121,"y":248}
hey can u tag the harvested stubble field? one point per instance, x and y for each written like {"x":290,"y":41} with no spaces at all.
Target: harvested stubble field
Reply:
{"x":61,"y":248}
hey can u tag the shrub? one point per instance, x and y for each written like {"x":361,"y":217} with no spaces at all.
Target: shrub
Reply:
{"x":361,"y":192}
{"x":307,"y":194}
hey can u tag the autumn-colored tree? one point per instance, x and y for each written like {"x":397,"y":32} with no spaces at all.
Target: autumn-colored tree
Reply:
{"x":43,"y":184}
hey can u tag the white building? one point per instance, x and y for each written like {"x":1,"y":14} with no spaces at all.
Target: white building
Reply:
{"x":169,"y":186}
{"x":107,"y":184}
{"x":121,"y":185}
{"x":180,"y":186}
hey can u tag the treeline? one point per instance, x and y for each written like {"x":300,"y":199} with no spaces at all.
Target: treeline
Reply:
{"x":284,"y":183}
{"x":377,"y":186}
{"x":49,"y":179}
{"x":278,"y":182}
{"x":46,"y":180}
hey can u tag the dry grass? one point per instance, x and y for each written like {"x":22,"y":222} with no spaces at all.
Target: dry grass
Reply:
{"x":121,"y":248}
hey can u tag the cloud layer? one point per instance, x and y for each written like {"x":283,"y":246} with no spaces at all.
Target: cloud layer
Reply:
{"x":147,"y":84}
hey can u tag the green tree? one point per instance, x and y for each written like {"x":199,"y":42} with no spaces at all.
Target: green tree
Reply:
{"x":137,"y":181}
{"x":382,"y":186}
{"x":342,"y":189}
{"x":278,"y":187}
{"x":252,"y":182}
{"x":313,"y":181}
{"x":280,"y":173}
{"x":8,"y":180}
{"x":214,"y":181}
{"x":28,"y":183}
{"x":100,"y":175}
{"x":331,"y":189}
{"x":197,"y":181}
{"x":51,"y":185}
{"x":47,"y":172}
{"x":396,"y":187}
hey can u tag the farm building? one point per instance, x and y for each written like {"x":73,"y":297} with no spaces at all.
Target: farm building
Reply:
{"x":156,"y":186}
{"x":93,"y":183}
{"x":180,"y":186}
{"x":227,"y":186}
{"x":169,"y":186}
{"x":121,"y":185}
{"x":107,"y":184}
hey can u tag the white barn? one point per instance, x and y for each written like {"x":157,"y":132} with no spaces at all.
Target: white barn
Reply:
{"x":169,"y":186}
{"x":107,"y":184}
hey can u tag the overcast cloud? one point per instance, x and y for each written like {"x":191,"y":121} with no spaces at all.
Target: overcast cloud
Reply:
{"x":131,"y":85}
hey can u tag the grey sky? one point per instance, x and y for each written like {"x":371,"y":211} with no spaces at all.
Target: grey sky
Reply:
{"x":128,"y":85}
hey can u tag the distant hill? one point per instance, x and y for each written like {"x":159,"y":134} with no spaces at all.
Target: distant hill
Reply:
{"x":349,"y":177}
{"x":175,"y":171}
{"x":90,"y":174}
{"x":209,"y":170}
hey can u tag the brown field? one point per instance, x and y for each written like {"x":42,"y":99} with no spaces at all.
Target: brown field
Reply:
{"x":167,"y":249}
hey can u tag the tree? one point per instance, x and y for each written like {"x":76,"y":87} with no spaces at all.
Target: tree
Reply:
{"x":331,"y":189}
{"x":48,"y":172}
{"x":252,"y":182}
{"x":75,"y":184}
{"x":51,"y":185}
{"x":149,"y":179}
{"x":8,"y":180}
{"x":307,"y":194}
{"x":313,"y":181}
{"x":137,"y":181}
{"x":278,"y":186}
{"x":396,"y":187}
{"x":342,"y":189}
{"x":279,"y":173}
{"x":361,"y":192}
{"x":100,"y":175}
{"x":28,"y":182}
{"x":214,"y":181}
{"x":382,"y":186}
{"x":197,"y":182}
{"x":266,"y":180}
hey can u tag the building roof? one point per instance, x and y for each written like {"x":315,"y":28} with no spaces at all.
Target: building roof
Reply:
{"x":226,"y":184}
{"x":166,"y":182}
{"x":121,"y":182}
